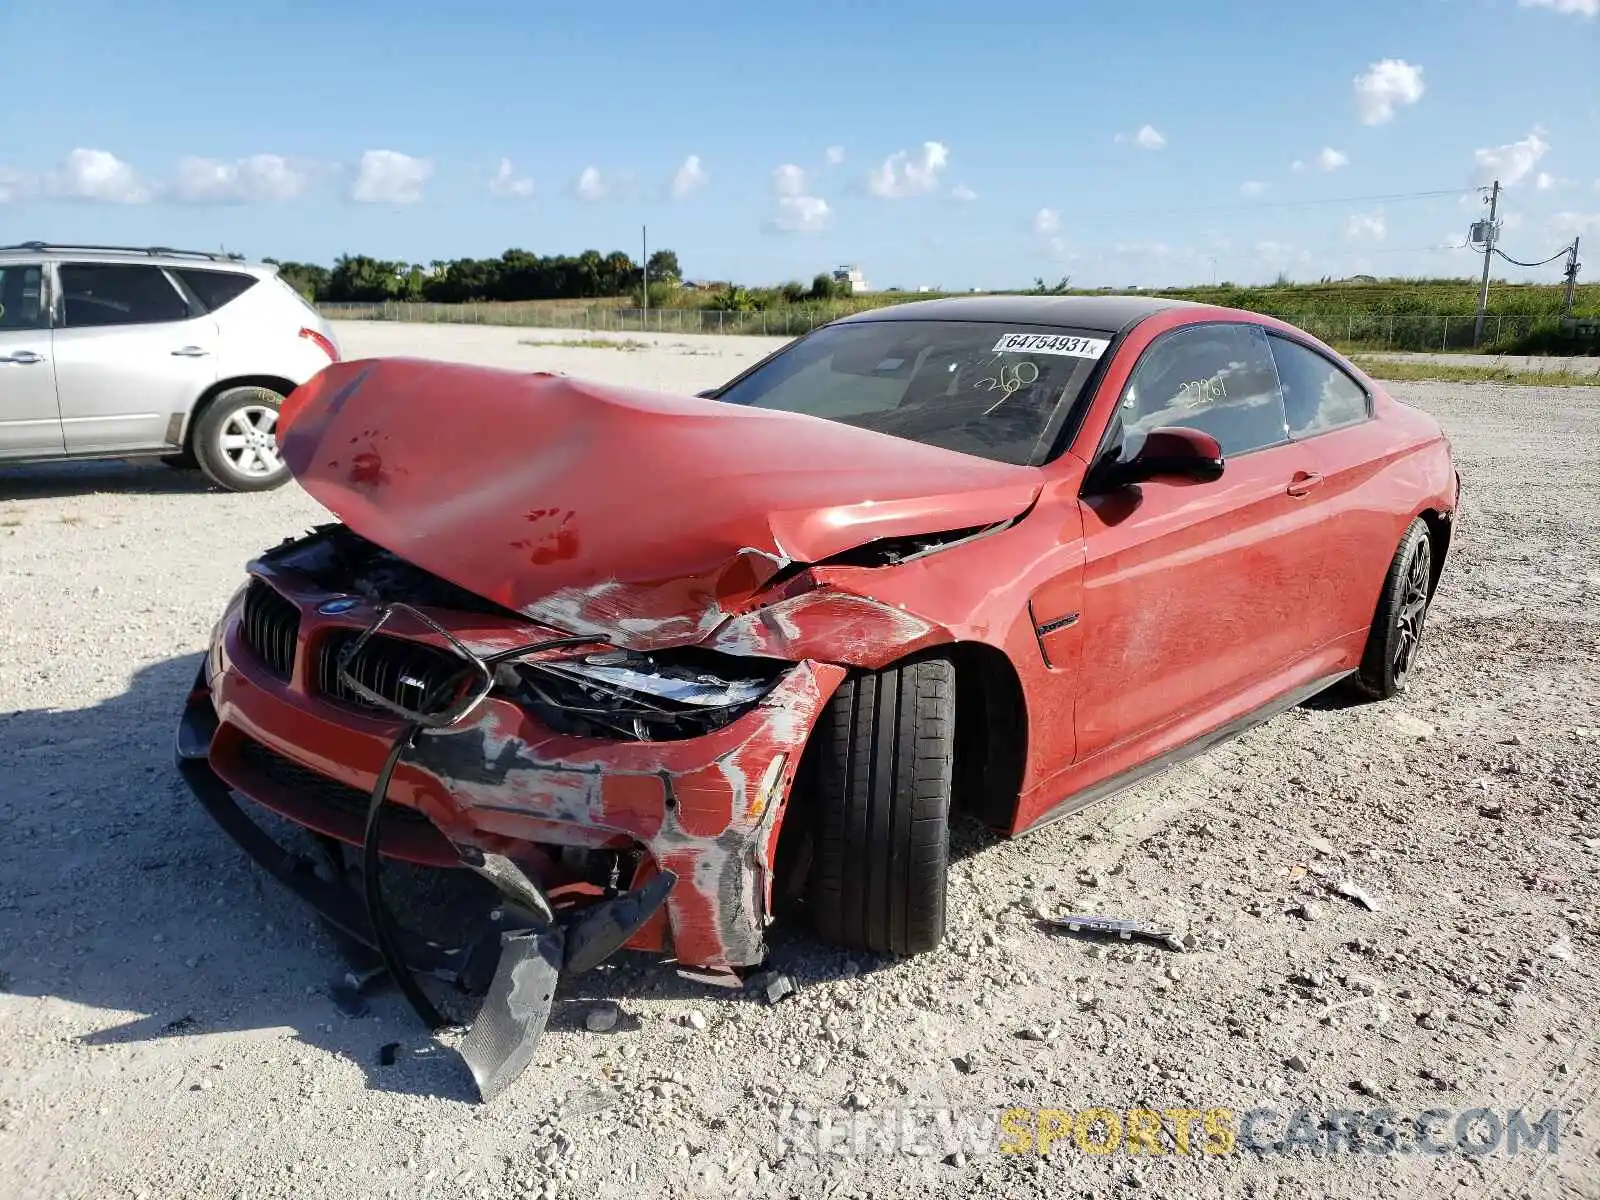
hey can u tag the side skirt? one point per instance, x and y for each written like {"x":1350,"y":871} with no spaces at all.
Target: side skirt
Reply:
{"x":1193,"y":748}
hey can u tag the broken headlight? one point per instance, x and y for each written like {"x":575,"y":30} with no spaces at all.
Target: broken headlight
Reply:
{"x":662,"y":696}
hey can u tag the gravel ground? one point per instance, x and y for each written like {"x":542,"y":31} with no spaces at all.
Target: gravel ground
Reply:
{"x":166,"y":1027}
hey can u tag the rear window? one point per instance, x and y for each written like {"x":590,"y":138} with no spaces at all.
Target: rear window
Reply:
{"x":216,"y":288}
{"x":984,"y":388}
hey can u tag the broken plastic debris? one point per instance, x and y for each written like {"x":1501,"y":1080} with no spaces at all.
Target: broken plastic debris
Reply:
{"x":774,"y":985}
{"x":1124,"y":929}
{"x":1354,"y":891}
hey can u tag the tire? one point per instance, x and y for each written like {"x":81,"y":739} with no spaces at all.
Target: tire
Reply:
{"x":881,"y":842}
{"x":234,"y":440}
{"x":1396,"y":634}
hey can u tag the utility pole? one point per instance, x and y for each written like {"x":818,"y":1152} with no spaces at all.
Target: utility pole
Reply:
{"x":1572,"y":279}
{"x":1488,"y":254}
{"x":644,"y":269}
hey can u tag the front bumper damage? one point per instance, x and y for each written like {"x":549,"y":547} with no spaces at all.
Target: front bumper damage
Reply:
{"x":496,"y":795}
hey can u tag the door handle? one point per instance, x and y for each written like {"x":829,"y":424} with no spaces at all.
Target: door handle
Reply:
{"x":191,"y":352}
{"x":23,"y":357}
{"x":1303,"y":482}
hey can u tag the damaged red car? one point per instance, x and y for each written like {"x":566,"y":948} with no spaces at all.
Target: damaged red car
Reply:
{"x":656,"y":666}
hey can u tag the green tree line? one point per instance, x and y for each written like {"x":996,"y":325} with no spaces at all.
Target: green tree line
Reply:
{"x":515,"y":275}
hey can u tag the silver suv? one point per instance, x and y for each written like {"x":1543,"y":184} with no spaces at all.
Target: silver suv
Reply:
{"x":112,"y":352}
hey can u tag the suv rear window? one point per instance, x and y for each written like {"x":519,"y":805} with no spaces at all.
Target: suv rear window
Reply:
{"x":216,"y":288}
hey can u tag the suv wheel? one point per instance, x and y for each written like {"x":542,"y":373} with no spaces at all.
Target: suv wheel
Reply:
{"x":236,"y":443}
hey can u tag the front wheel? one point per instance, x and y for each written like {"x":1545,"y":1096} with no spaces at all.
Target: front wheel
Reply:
{"x":1396,"y":632}
{"x":236,"y":443}
{"x":884,"y":767}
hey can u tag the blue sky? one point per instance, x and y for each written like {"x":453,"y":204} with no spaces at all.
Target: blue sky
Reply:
{"x":934,"y":143}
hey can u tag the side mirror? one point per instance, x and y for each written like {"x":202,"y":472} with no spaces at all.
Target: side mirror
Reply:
{"x":1170,"y":452}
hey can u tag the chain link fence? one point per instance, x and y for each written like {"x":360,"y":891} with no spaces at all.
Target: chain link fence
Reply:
{"x":787,"y":321}
{"x":1350,"y":330}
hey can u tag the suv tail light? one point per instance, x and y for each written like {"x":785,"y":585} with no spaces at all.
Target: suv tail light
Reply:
{"x":323,"y":343}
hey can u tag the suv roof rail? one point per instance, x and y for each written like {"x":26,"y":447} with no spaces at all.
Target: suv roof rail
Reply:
{"x":153,"y":251}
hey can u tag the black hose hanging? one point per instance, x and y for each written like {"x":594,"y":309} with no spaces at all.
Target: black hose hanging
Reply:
{"x":378,"y":914}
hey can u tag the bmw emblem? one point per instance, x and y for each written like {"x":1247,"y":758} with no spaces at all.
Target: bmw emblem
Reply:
{"x":332,"y":608}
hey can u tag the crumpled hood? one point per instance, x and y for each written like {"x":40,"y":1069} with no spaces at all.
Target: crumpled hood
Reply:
{"x":641,"y":516}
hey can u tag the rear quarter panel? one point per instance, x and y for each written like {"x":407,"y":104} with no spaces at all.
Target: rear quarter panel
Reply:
{"x":260,"y":336}
{"x":1379,"y":476}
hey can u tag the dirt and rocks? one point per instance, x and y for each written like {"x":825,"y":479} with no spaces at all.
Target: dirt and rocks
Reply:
{"x":167,"y":1026}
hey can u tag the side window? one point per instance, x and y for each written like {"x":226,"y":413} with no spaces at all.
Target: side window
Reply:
{"x":22,"y":297}
{"x":1215,"y":378}
{"x":1317,"y":394}
{"x":216,"y":288}
{"x":95,"y":294}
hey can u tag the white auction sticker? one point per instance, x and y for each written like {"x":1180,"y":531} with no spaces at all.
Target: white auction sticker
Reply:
{"x":1052,"y":343}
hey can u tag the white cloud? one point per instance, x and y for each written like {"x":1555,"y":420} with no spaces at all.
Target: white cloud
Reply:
{"x":788,"y":180}
{"x":1510,"y":163}
{"x":1580,"y":8}
{"x":591,"y":185}
{"x":963,"y":193}
{"x":1544,"y":181}
{"x":901,"y":175}
{"x":1252,"y":187}
{"x":507,"y":182}
{"x":1046,"y":221}
{"x":690,"y":178}
{"x":1384,"y":86}
{"x":1148,"y":138}
{"x":835,"y":155}
{"x":797,"y":212}
{"x":1365,"y":227}
{"x":1297,"y":165}
{"x":389,"y":177}
{"x":800,"y":214}
{"x":259,"y":178}
{"x":95,"y":175}
{"x":1331,"y":160}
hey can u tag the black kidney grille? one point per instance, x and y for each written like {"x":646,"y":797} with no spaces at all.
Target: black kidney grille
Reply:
{"x":270,"y":628}
{"x":401,"y":671}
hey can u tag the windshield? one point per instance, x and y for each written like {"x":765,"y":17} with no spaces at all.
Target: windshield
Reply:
{"x":985,"y":388}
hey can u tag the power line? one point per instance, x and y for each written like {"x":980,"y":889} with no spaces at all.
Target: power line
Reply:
{"x":1561,"y":253}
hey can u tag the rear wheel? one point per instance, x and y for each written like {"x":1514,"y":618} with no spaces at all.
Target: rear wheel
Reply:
{"x":236,"y":443}
{"x":883,"y":771}
{"x":1396,"y":633}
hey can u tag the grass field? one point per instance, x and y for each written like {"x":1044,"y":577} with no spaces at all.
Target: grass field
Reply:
{"x":1443,"y":372}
